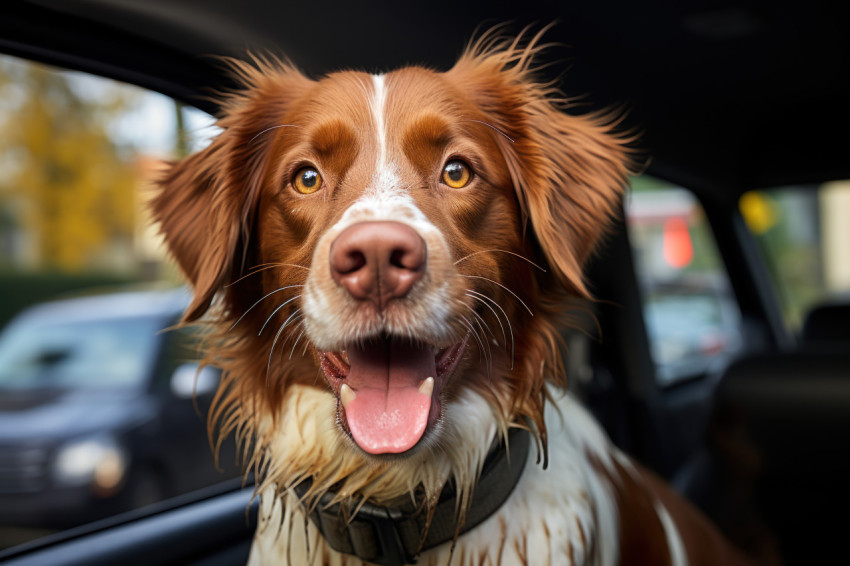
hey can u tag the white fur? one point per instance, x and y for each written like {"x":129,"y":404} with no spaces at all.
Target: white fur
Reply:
{"x":564,"y":515}
{"x":546,"y":520}
{"x":379,"y":101}
{"x":331,"y":315}
{"x":329,"y":310}
{"x":678,"y":555}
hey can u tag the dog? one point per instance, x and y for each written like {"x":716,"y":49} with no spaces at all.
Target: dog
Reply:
{"x":381,"y":262}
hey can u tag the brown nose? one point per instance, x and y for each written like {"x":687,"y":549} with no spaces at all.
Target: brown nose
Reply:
{"x":378,"y":261}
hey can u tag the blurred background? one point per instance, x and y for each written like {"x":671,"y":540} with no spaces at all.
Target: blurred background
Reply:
{"x":693,"y":320}
{"x":92,"y":390}
{"x":91,"y":386}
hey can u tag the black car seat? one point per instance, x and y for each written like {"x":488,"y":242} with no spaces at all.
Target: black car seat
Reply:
{"x":779,"y":454}
{"x":828,"y":323}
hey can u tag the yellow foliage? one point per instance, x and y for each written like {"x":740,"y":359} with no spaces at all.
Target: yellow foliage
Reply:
{"x":71,"y":182}
{"x":759,"y":211}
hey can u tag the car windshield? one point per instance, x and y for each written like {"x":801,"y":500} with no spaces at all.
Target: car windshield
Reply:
{"x":101,"y":353}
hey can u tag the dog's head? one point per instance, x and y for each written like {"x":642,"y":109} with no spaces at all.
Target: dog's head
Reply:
{"x":393,"y":240}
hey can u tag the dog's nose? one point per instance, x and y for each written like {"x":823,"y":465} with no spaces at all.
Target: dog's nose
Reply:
{"x":378,"y":261}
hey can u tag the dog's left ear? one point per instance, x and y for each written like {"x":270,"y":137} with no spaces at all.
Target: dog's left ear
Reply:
{"x":569,"y":171}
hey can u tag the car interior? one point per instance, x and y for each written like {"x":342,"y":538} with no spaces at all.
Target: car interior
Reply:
{"x":727,"y":97}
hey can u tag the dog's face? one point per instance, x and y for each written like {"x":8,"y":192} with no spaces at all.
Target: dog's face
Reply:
{"x":403,"y":185}
{"x":392,"y":239}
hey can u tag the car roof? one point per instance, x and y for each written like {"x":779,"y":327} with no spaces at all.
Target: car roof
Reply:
{"x":728,"y":95}
{"x":163,"y":304}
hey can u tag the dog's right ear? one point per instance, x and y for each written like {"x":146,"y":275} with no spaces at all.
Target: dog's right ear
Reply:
{"x":198,"y":223}
{"x":205,"y":203}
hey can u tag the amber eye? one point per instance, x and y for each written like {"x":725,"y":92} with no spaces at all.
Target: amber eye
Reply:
{"x":456,"y":174}
{"x":307,"y":180}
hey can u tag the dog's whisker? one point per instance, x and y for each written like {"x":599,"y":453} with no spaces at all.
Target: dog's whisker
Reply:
{"x":472,"y":332}
{"x":488,"y":355}
{"x":276,"y":336}
{"x":292,"y":351}
{"x":481,"y":325}
{"x":501,"y":251}
{"x":262,"y":267}
{"x":272,"y":128}
{"x":274,"y":312}
{"x":279,"y":264}
{"x":481,"y":350}
{"x":515,"y":296}
{"x":507,"y":319}
{"x":492,"y":127}
{"x":482,"y":322}
{"x":306,"y":342}
{"x":296,"y":315}
{"x":496,"y":316}
{"x":259,"y":301}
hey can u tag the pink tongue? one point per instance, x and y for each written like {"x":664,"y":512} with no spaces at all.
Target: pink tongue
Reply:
{"x":389,"y":414}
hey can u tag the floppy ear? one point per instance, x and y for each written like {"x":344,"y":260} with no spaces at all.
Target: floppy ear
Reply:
{"x":205,"y":202}
{"x":570,"y":174}
{"x":199,"y":223}
{"x":569,"y":171}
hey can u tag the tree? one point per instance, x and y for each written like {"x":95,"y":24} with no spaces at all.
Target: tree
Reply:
{"x":69,"y":184}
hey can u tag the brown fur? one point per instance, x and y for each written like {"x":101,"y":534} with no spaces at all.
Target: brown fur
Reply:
{"x":223,"y":217}
{"x":546,"y":185}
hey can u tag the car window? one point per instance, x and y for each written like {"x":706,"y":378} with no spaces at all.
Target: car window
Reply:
{"x":692,"y":319}
{"x":100,"y":412}
{"x":805,"y":239}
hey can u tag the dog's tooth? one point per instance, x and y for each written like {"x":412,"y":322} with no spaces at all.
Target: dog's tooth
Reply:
{"x":427,"y":386}
{"x":346,"y":395}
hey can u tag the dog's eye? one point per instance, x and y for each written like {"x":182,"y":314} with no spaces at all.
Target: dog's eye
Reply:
{"x":307,"y":180}
{"x":456,"y":174}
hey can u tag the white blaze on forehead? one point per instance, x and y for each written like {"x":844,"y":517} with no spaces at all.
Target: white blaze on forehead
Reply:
{"x":385,"y":177}
{"x":328,"y":309}
{"x":385,"y":198}
{"x":379,"y":100}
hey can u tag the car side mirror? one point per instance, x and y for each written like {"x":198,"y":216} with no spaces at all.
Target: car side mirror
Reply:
{"x":187,"y":382}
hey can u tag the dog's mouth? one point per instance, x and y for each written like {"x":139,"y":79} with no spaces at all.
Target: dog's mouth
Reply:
{"x":388,"y":390}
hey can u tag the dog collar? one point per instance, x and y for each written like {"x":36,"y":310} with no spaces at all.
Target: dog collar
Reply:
{"x":392,"y":535}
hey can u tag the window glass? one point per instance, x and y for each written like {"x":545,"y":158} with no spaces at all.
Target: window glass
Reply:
{"x":96,"y":417}
{"x":77,"y":354}
{"x":805,"y":238}
{"x":693,"y":321}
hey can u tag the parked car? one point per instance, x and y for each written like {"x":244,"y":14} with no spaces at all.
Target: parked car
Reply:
{"x":92,"y":390}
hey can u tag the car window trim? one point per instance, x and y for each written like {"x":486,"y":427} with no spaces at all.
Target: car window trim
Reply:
{"x":217,"y":501}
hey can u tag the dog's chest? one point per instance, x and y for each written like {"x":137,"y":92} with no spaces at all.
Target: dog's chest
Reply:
{"x":563,"y":515}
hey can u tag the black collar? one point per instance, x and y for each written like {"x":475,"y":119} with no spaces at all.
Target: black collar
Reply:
{"x":392,"y":535}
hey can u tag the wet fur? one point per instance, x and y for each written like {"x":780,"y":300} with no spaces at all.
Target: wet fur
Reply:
{"x":549,"y":183}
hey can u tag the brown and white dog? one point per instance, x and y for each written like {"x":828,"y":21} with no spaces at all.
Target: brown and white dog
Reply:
{"x":383,"y":261}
